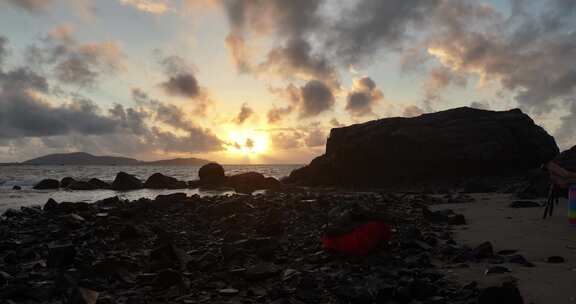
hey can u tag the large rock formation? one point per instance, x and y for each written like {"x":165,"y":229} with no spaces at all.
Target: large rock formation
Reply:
{"x":211,"y":174}
{"x":161,"y":181}
{"x":47,"y":184}
{"x":459,"y":142}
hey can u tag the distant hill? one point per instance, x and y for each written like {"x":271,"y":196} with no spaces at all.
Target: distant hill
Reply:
{"x":86,"y":159}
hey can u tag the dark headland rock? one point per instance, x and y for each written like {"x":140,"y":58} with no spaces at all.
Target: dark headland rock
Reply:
{"x":125,"y":181}
{"x":46,"y":184}
{"x":211,"y":174}
{"x":161,"y":181}
{"x":539,"y":181}
{"x":455,"y":143}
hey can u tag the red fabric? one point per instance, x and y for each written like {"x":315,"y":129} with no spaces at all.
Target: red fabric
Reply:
{"x":361,"y":240}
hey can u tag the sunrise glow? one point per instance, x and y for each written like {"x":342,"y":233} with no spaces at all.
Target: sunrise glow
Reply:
{"x":247,"y":142}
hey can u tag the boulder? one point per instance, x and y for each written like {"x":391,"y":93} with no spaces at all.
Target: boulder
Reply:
{"x":125,"y":181}
{"x":66,"y":181}
{"x":99,"y":184}
{"x":46,"y":184}
{"x":452,"y":144}
{"x":16,"y":188}
{"x":212,"y":174}
{"x":51,"y":205}
{"x":82,"y":185}
{"x":161,"y":181}
{"x":247,"y":182}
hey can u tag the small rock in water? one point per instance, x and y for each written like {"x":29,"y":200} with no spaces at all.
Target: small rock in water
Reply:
{"x":16,"y":188}
{"x":555,"y":260}
{"x":228,"y":291}
{"x":520,"y":259}
{"x":47,"y":184}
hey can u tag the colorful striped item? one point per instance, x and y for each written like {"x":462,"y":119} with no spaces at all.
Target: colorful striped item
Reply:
{"x":572,"y":205}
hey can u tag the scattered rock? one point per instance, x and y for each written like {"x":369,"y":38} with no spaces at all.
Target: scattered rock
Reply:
{"x":520,"y":259}
{"x":125,"y":182}
{"x":525,"y":204}
{"x":497,"y":270}
{"x":60,"y":255}
{"x":167,"y":278}
{"x":47,"y":184}
{"x":445,"y":216}
{"x":483,"y":251}
{"x":505,"y":294}
{"x":212,"y":174}
{"x":261,"y":272}
{"x":51,"y":205}
{"x":555,"y":260}
{"x":161,"y":181}
{"x":170,"y":198}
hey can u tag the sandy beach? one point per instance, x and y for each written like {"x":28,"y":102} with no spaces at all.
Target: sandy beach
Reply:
{"x":491,"y":219}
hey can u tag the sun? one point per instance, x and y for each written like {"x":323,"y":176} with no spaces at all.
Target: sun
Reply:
{"x":247,"y":142}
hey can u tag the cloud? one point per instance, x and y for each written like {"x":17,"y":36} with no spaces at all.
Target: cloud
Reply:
{"x":3,"y":50}
{"x":528,"y":55}
{"x":372,"y":25}
{"x":31,"y":5}
{"x":277,"y":114}
{"x":184,"y":85}
{"x":314,"y":98}
{"x":315,"y":138}
{"x":148,"y":6}
{"x":286,"y":140}
{"x":363,"y":97}
{"x":80,"y":64}
{"x":245,"y":113}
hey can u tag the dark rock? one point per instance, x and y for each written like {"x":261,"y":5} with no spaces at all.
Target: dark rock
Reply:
{"x":51,"y":205}
{"x":46,"y":184}
{"x":100,"y":184}
{"x":455,"y":143}
{"x":483,"y":251}
{"x":555,"y":260}
{"x":80,"y":295}
{"x":167,"y":256}
{"x":125,"y":181}
{"x":167,"y":278}
{"x":11,"y":213}
{"x":60,"y":255}
{"x":520,"y":259}
{"x":211,"y":174}
{"x":82,"y":185}
{"x":505,"y":294}
{"x":161,"y":181}
{"x":171,"y":198}
{"x":524,"y":204}
{"x":247,"y":182}
{"x":497,"y":270}
{"x":130,"y":232}
{"x":16,"y":188}
{"x":66,"y":181}
{"x":194,"y":184}
{"x":445,"y":216}
{"x":271,"y":183}
{"x":261,"y":272}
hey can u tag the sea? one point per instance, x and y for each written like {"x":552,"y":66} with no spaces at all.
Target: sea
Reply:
{"x":27,"y":176}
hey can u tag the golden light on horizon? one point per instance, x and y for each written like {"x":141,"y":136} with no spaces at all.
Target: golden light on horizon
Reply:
{"x":247,"y":142}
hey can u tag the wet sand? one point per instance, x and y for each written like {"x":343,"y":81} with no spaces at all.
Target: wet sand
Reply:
{"x":491,"y":219}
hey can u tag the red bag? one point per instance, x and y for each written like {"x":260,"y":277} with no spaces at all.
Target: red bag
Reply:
{"x":359,"y":241}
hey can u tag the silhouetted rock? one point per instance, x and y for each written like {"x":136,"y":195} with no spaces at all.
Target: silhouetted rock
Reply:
{"x":125,"y":181}
{"x":456,"y":143}
{"x":46,"y":184}
{"x":212,"y":174}
{"x":171,"y":198}
{"x":506,"y":294}
{"x":484,"y":250}
{"x":82,"y":185}
{"x":60,"y":255}
{"x":66,"y":181}
{"x":100,"y":184}
{"x":193,"y":184}
{"x":161,"y":181}
{"x":50,"y":205}
{"x":16,"y":188}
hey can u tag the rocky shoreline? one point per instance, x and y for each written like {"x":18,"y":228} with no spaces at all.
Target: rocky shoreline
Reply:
{"x":262,"y":248}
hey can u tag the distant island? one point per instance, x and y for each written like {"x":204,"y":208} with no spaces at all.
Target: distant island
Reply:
{"x":86,"y":159}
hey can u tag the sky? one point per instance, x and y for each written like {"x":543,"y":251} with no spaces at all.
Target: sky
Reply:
{"x":264,"y":81}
